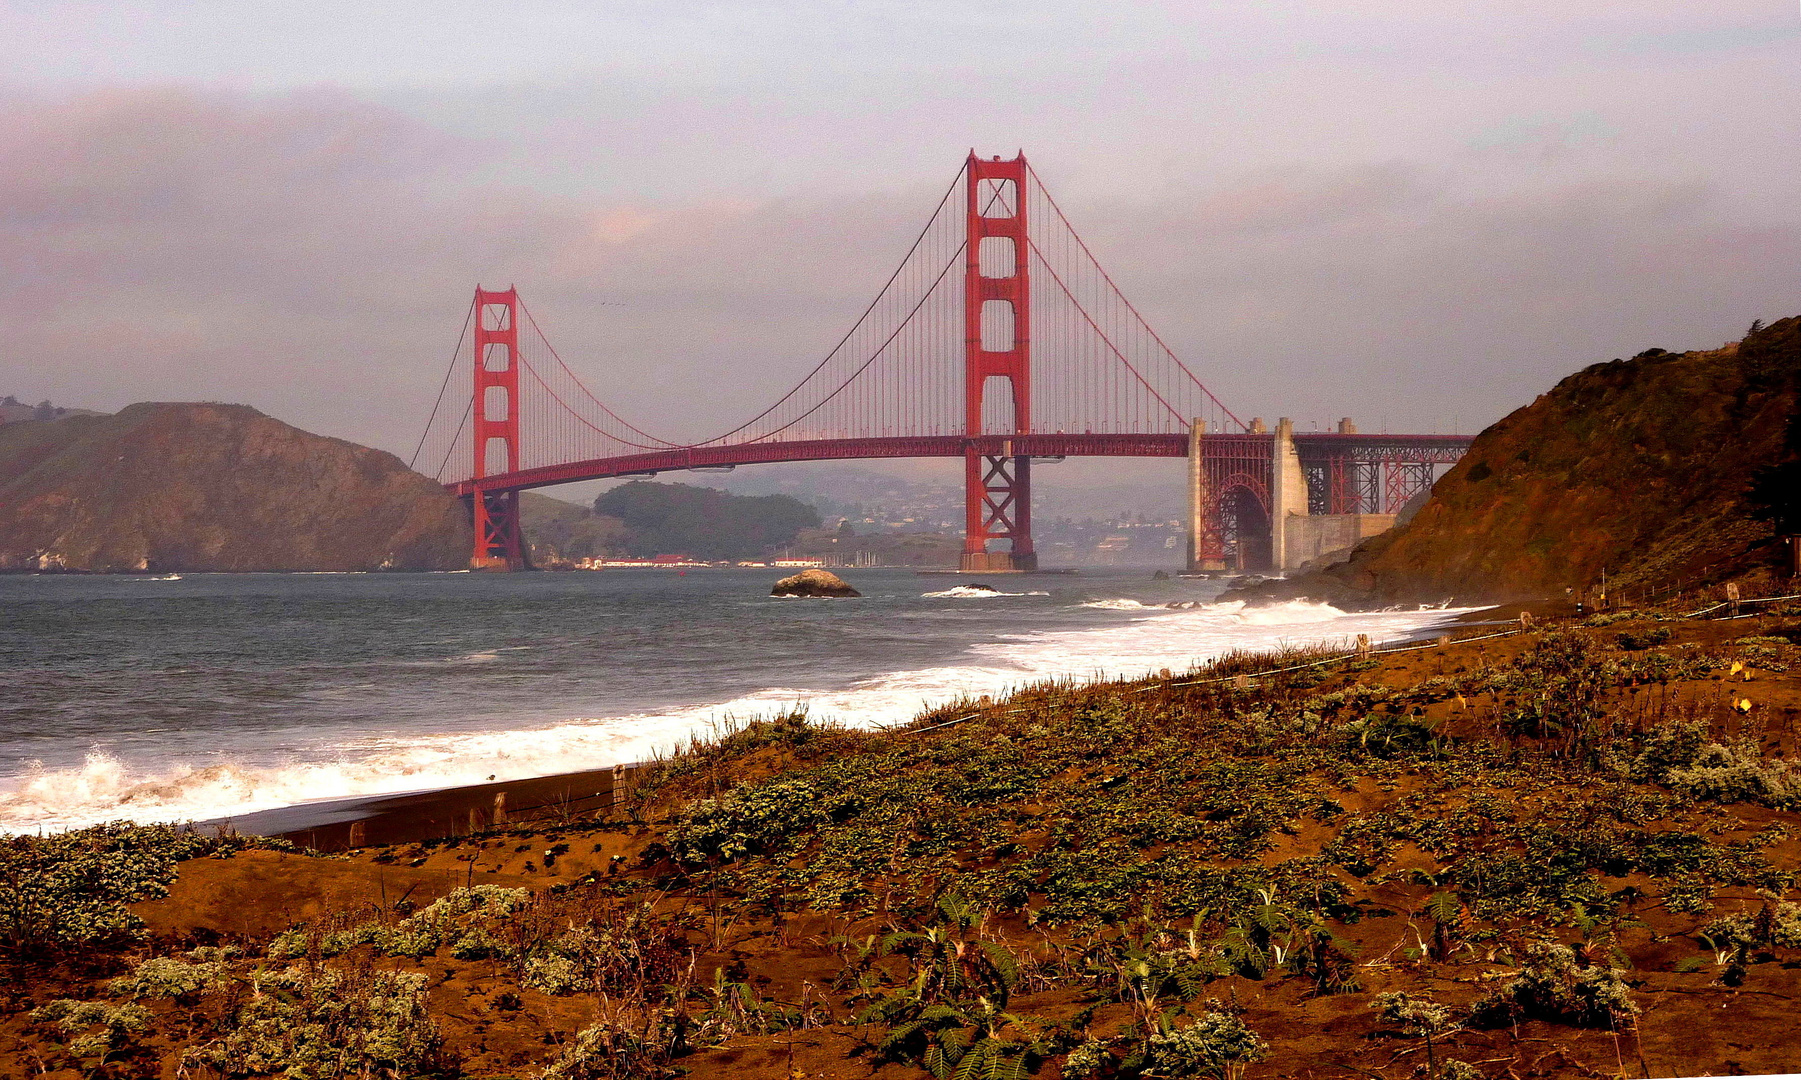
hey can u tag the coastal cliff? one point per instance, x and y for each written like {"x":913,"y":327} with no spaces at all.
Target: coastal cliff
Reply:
{"x":205,"y":487}
{"x":1646,"y":469}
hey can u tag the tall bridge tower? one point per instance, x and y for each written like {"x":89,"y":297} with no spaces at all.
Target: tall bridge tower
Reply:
{"x":997,"y":349}
{"x":498,"y":543}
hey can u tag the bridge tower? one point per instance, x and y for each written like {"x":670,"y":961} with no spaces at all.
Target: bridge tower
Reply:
{"x":498,"y":544}
{"x":997,"y":321}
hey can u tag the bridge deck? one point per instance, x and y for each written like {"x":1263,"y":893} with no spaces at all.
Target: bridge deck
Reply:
{"x":1440,"y":449}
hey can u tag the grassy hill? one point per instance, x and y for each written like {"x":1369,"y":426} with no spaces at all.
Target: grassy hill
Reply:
{"x":199,"y":487}
{"x":1644,"y":469}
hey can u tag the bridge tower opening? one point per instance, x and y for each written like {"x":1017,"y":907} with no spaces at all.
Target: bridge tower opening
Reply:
{"x":997,"y":348}
{"x":495,"y":514}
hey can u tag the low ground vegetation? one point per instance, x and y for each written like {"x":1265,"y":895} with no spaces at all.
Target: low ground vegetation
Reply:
{"x":1540,"y":855}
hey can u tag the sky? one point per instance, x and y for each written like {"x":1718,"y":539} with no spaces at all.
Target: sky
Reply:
{"x":1420,"y":214}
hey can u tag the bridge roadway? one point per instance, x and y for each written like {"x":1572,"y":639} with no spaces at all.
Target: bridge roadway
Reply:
{"x":1309,"y":445}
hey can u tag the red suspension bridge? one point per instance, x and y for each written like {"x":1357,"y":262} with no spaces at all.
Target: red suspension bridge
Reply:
{"x":999,"y":340}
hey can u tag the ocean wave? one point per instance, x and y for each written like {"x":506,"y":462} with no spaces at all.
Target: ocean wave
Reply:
{"x":105,"y":788}
{"x":969,"y":592}
{"x":1287,"y":613}
{"x":1119,"y":604}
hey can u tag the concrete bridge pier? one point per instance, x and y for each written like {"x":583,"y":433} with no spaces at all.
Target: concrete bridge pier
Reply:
{"x":1205,"y":552}
{"x":1287,"y":493}
{"x":1255,"y":486}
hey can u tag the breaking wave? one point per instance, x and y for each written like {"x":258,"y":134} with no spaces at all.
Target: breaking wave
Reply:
{"x":972,"y":592}
{"x":104,"y":788}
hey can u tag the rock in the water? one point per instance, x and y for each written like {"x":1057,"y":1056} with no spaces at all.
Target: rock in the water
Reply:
{"x":813,"y":583}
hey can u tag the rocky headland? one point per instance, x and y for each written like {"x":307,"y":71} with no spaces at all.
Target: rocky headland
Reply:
{"x":169,"y":486}
{"x":1665,"y":471}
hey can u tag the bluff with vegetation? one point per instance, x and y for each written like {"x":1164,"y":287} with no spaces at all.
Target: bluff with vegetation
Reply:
{"x":703,"y":522}
{"x":205,"y":487}
{"x":1662,"y":471}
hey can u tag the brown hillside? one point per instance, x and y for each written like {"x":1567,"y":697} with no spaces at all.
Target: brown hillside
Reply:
{"x":205,"y":487}
{"x":1639,"y":468}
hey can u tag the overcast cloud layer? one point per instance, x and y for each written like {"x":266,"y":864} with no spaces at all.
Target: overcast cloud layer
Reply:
{"x":1420,"y":215}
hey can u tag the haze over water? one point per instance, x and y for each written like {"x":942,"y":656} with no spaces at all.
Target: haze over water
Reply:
{"x":160,"y":699}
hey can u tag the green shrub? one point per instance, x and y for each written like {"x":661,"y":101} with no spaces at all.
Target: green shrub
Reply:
{"x":1668,"y":746}
{"x":556,"y":974}
{"x":323,"y":1024}
{"x":1416,"y":1016}
{"x":1564,"y":684}
{"x":96,"y":1028}
{"x":70,"y":890}
{"x":162,"y":977}
{"x":1738,"y":772}
{"x":1090,"y":1061}
{"x":1217,"y":1045}
{"x":1775,"y":925}
{"x":1682,"y":756}
{"x":1608,"y":618}
{"x":1553,"y":985}
{"x":747,"y":821}
{"x":1390,"y":736}
{"x":1640,"y":641}
{"x":615,"y":1049}
{"x":460,"y":919}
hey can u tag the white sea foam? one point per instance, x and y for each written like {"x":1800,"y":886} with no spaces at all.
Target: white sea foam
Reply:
{"x":1119,"y":604}
{"x":970,"y":592}
{"x":105,"y":789}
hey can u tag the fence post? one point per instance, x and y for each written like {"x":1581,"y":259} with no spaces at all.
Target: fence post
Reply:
{"x":1525,"y":620}
{"x":357,"y":834}
{"x":1732,"y":598}
{"x":500,"y":808}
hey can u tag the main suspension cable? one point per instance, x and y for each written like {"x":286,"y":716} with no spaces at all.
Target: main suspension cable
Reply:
{"x":455,"y":355}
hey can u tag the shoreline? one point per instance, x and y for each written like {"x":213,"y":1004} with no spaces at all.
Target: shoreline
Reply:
{"x":433,"y":813}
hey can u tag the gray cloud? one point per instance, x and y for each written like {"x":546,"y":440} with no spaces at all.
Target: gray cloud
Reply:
{"x":1387,"y":211}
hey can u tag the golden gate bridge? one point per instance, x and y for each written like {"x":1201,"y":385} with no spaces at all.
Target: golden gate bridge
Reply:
{"x":999,"y":340}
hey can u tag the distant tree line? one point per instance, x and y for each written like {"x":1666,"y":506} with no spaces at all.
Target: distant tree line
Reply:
{"x":703,"y":522}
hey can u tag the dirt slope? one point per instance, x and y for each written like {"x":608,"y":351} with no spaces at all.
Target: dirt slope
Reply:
{"x":206,"y":487}
{"x":1637,"y":467}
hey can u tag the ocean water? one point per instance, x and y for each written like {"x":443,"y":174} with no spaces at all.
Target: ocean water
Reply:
{"x":201,"y":696}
